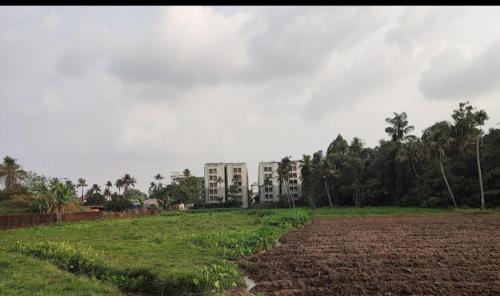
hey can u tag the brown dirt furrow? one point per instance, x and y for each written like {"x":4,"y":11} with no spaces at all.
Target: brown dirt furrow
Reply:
{"x":454,"y":255}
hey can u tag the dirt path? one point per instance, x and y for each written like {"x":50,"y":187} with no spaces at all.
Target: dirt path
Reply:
{"x":381,"y":255}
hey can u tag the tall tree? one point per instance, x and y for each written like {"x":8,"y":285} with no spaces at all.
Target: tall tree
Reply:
{"x":128,"y":181}
{"x":399,"y":127}
{"x":186,"y":173}
{"x":11,"y":173}
{"x":82,"y":183}
{"x":339,"y":145}
{"x":62,"y":193}
{"x":158,"y":177}
{"x":399,"y":131}
{"x":119,"y":184}
{"x":467,"y":129}
{"x":307,"y":178}
{"x":411,"y":151}
{"x":284,"y":168}
{"x":327,"y":172}
{"x":94,"y":189}
{"x":438,"y":138}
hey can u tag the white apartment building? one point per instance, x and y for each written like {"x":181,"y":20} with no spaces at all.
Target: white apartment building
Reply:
{"x":177,"y":177}
{"x":269,"y":185}
{"x":219,"y":177}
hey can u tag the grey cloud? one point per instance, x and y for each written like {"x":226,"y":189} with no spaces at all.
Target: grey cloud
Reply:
{"x":421,"y":26}
{"x":347,"y":83}
{"x":451,"y":75}
{"x":278,"y":42}
{"x":298,"y":41}
{"x":99,"y":92}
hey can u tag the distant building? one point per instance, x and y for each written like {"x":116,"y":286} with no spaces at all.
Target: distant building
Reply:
{"x":219,"y":179}
{"x":269,"y":184}
{"x":178,"y":177}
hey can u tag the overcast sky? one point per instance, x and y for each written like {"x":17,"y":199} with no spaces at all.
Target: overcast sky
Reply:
{"x":98,"y":92}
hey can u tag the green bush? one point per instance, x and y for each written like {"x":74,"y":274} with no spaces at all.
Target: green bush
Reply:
{"x":286,"y":218}
{"x":217,"y":276}
{"x":234,"y":244}
{"x":80,"y":260}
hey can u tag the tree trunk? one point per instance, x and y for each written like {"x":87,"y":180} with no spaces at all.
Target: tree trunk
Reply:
{"x":328,"y":193}
{"x":479,"y":172}
{"x":311,"y":203}
{"x":413,"y":166}
{"x":446,"y":181}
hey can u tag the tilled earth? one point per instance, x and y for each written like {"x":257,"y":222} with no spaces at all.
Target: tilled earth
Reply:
{"x":454,"y":255}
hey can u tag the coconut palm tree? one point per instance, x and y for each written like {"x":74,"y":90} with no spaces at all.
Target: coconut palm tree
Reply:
{"x":119,"y":184}
{"x":11,"y":173}
{"x":128,"y":181}
{"x":107,"y":193}
{"x":399,"y":128}
{"x":81,"y":183}
{"x":467,"y":129}
{"x":158,"y":177}
{"x":62,"y":193}
{"x":437,"y":138}
{"x":411,"y":151}
{"x":94,"y":189}
{"x":186,"y":173}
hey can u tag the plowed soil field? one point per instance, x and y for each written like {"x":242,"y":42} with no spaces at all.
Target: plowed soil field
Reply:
{"x":449,"y":255}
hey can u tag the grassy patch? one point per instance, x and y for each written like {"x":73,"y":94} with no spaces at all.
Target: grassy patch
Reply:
{"x":21,"y":275}
{"x":170,"y":254}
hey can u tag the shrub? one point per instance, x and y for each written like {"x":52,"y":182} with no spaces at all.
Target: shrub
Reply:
{"x":217,"y":276}
{"x":237,"y":243}
{"x":80,"y":260}
{"x":288,"y":218}
{"x":118,"y":204}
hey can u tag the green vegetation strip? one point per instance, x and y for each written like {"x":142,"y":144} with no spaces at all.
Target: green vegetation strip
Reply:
{"x":27,"y":276}
{"x":167,"y":255}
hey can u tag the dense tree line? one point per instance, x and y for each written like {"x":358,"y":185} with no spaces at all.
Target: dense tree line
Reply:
{"x":452,"y":163}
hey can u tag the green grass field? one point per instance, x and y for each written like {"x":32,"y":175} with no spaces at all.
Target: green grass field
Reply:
{"x":171,"y":254}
